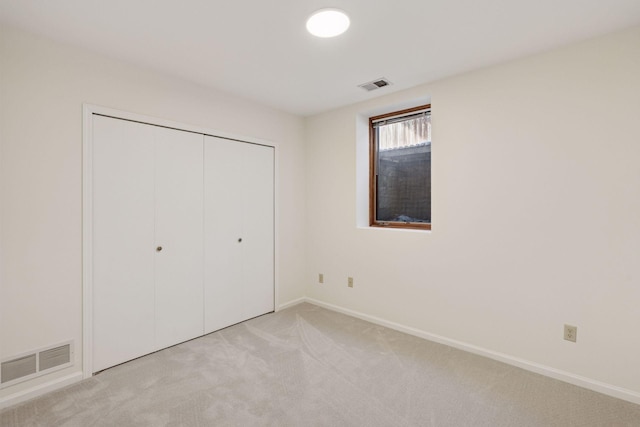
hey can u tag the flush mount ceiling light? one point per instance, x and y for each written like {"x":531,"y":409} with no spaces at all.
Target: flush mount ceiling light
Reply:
{"x":328,"y":23}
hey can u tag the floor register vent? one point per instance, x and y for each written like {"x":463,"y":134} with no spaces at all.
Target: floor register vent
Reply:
{"x":35,"y":363}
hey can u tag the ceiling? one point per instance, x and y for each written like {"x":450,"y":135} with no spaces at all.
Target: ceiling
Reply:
{"x":260,"y":50}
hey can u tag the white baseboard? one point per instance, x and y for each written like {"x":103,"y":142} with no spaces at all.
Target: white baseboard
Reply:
{"x":588,"y":383}
{"x":39,"y":390}
{"x":291,"y":303}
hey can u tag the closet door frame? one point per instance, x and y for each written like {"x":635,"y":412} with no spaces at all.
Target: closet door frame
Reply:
{"x":88,"y":113}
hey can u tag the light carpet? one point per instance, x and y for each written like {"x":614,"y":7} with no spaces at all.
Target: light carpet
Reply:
{"x":307,"y":366}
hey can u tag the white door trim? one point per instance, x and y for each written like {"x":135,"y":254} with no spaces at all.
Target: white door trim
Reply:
{"x":88,"y":111}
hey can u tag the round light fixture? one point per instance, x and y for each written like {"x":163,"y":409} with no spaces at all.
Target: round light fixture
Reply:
{"x":328,"y":23}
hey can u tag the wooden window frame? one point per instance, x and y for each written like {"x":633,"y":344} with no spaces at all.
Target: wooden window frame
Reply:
{"x":373,"y":178}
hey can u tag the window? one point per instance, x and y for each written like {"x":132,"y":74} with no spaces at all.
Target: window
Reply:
{"x":400,"y":169}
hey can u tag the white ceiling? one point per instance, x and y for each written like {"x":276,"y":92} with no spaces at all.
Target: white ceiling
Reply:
{"x":260,"y":50}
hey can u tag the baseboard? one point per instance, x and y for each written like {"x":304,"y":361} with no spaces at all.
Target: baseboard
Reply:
{"x":588,"y":383}
{"x":39,"y":390}
{"x":291,"y":303}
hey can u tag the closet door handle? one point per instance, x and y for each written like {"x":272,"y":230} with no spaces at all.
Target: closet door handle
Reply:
{"x":159,"y":248}
{"x":240,"y":240}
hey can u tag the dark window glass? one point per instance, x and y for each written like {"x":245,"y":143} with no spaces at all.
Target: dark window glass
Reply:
{"x":401,"y":170}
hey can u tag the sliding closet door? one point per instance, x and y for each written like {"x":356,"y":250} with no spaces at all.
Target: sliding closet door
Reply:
{"x":123,"y":232}
{"x":239,"y":242}
{"x":178,"y":219}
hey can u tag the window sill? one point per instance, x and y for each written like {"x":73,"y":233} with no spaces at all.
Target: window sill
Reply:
{"x":396,"y":229}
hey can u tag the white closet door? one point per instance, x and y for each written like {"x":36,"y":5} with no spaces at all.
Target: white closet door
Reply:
{"x":238,"y":232}
{"x":179,"y":228}
{"x":123,"y":229}
{"x":258,"y":226}
{"x":147,"y":195}
{"x":223,"y":229}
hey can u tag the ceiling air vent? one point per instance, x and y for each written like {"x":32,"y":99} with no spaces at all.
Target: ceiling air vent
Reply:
{"x":376,"y":84}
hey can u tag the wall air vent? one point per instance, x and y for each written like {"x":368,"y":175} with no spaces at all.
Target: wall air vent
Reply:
{"x":54,"y":357}
{"x":35,"y":363}
{"x":18,"y":368}
{"x":375,"y":84}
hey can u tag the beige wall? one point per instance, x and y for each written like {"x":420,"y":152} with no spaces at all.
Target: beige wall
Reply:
{"x":535,"y":201}
{"x":43,"y":87}
{"x":536,"y":213}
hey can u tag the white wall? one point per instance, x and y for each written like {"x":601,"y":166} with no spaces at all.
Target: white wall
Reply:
{"x":43,"y":87}
{"x":535,"y":206}
{"x":536,"y":213}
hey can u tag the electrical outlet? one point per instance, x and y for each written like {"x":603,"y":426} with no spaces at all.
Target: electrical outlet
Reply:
{"x":320,"y":278}
{"x":570,"y":333}
{"x":350,"y":282}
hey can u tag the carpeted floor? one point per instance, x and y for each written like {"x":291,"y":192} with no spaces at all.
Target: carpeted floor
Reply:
{"x":307,"y":366}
